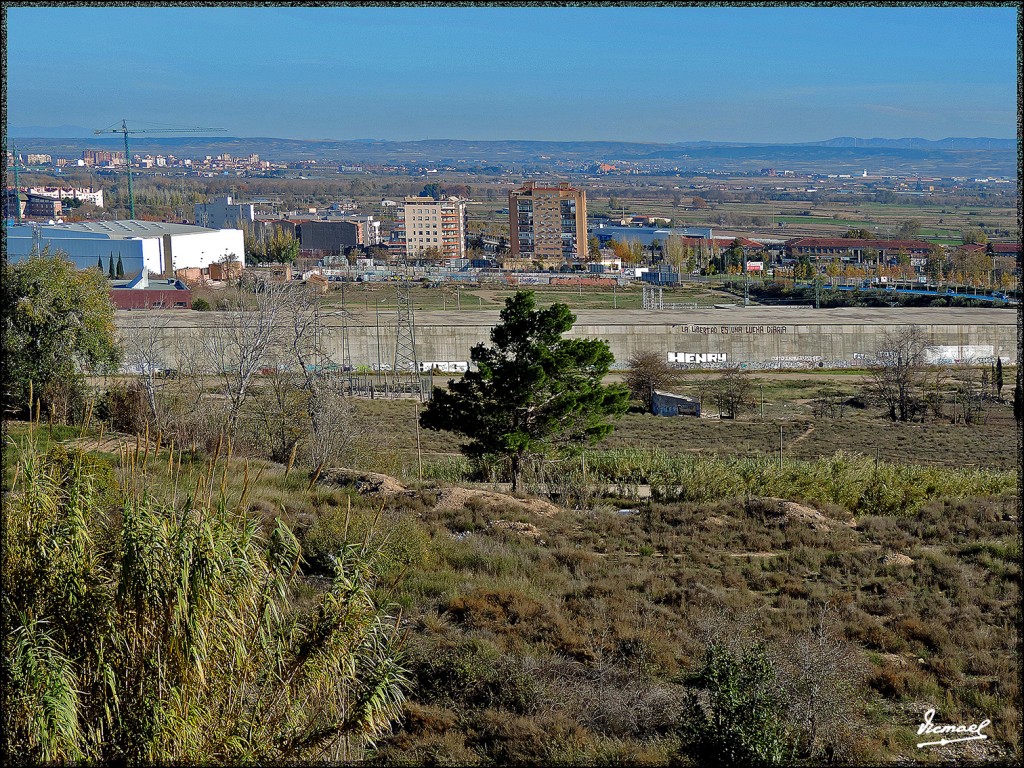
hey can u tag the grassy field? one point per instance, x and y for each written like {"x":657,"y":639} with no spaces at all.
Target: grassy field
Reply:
{"x":789,"y":404}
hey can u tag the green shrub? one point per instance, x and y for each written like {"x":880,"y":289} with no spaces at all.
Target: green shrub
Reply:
{"x":199,"y":304}
{"x":741,"y":724}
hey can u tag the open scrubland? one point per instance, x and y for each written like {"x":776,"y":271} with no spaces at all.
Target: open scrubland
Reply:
{"x":872,"y":574}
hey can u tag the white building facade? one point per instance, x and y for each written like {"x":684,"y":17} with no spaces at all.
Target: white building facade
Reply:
{"x":70,"y":193}
{"x":223,"y":213}
{"x":423,"y":224}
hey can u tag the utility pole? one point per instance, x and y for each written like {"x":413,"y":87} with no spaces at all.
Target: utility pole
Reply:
{"x":746,"y":281}
{"x":780,"y":447}
{"x":405,"y":336}
{"x":17,"y":186}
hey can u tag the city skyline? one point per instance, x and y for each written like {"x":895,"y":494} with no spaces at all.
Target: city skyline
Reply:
{"x":644,"y":74}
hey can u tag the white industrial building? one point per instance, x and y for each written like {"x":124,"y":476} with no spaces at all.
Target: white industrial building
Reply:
{"x":160,"y":247}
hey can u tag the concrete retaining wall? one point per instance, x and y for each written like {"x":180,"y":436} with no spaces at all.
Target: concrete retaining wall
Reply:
{"x":755,"y":337}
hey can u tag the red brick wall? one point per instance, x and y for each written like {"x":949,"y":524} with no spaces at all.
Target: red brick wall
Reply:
{"x":144,"y":298}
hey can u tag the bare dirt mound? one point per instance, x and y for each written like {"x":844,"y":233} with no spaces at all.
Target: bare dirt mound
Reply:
{"x":527,"y":529}
{"x":449,"y":499}
{"x":896,"y":558}
{"x":452,"y":499}
{"x":783,"y":512}
{"x":367,"y":483}
{"x":111,"y":442}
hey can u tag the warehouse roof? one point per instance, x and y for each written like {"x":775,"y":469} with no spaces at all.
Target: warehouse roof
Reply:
{"x":115,"y":230}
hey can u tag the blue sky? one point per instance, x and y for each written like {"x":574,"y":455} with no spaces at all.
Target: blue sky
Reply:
{"x":624,"y":73}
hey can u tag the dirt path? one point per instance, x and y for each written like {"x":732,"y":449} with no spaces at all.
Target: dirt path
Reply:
{"x":804,"y":436}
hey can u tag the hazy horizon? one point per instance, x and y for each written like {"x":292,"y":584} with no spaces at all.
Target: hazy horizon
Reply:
{"x":55,"y":132}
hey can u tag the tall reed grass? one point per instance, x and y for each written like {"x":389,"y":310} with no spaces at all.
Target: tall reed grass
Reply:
{"x":853,"y":481}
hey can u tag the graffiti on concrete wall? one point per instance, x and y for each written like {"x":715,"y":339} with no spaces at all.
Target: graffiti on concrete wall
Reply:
{"x":697,"y":357}
{"x":724,"y":330}
{"x":444,"y":366}
{"x":957,"y":354}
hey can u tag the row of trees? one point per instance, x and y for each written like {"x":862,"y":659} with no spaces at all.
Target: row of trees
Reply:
{"x":265,"y":364}
{"x":277,"y":246}
{"x":259,"y":375}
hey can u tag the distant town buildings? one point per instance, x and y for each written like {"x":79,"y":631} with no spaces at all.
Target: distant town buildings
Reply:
{"x":426,"y":225}
{"x":854,"y":249}
{"x":43,"y":207}
{"x":547,"y":223}
{"x":99,"y":157}
{"x":14,"y":203}
{"x":329,"y":237}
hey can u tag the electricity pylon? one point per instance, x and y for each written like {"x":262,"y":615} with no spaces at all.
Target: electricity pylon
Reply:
{"x":405,"y":336}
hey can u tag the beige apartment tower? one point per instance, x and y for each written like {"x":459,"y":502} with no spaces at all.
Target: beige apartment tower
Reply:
{"x":424,"y":224}
{"x":548,"y":223}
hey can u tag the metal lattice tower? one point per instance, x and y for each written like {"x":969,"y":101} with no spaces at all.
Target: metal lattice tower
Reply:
{"x":653,"y":297}
{"x":406,"y":362}
{"x":346,"y":352}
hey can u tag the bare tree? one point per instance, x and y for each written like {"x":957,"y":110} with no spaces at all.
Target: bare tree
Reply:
{"x":820,"y":672}
{"x":733,"y":392}
{"x":145,"y":355}
{"x":299,"y":402}
{"x":897,"y":374}
{"x":969,"y":394}
{"x":240,"y":345}
{"x":828,"y":404}
{"x":647,"y":372}
{"x":189,"y":415}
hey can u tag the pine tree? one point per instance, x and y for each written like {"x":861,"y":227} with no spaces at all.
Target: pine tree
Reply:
{"x":120,"y":267}
{"x":99,"y":263}
{"x":533,"y":394}
{"x":110,"y":266}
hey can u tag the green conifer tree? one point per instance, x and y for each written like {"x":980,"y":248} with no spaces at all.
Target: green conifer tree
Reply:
{"x":120,"y":267}
{"x":110,"y":266}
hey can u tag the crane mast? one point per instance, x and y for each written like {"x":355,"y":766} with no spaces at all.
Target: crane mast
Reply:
{"x":127,"y":151}
{"x":128,"y":164}
{"x":17,"y":186}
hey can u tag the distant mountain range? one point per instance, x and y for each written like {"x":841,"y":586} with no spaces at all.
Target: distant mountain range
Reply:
{"x":956,"y":142}
{"x":951,"y":156}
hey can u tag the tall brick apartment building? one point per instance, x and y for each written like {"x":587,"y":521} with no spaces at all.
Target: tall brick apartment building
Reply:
{"x":548,"y":223}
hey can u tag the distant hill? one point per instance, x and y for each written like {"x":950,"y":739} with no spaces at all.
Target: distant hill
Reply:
{"x":957,"y":142}
{"x":948,"y":157}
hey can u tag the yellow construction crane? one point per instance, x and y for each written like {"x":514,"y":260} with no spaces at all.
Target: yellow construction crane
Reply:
{"x":127,"y":152}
